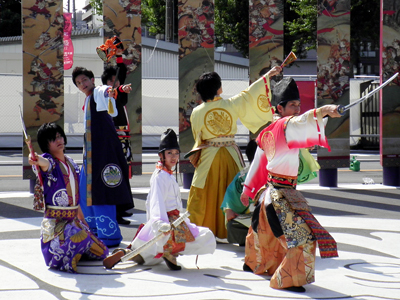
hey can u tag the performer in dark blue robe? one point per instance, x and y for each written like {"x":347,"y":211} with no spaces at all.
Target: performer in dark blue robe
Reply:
{"x":102,"y":181}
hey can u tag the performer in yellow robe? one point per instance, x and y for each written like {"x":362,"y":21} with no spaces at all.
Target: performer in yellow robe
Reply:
{"x":214,"y":128}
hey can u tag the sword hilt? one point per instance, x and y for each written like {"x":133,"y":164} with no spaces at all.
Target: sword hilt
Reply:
{"x":341,"y":110}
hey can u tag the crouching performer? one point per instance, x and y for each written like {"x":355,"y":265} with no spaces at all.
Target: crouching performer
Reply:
{"x":283,"y":234}
{"x":65,"y":236}
{"x":163,"y":206}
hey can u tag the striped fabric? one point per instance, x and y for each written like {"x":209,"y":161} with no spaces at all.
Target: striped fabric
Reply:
{"x":326,"y":244}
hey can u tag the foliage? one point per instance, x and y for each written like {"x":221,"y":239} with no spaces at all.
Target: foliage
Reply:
{"x":10,"y":18}
{"x":300,"y":26}
{"x":232,"y":24}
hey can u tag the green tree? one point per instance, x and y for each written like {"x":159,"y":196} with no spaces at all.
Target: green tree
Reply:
{"x":10,"y":18}
{"x":300,"y":26}
{"x":232,"y":24}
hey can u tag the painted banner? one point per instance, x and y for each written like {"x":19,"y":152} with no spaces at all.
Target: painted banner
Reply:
{"x":265,"y":38}
{"x":123,"y":20}
{"x":196,"y":56}
{"x":390,"y":100}
{"x":334,"y":72}
{"x":68,"y":46}
{"x":43,"y":70}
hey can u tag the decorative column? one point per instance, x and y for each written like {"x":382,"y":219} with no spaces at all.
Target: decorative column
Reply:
{"x":196,"y":56}
{"x":123,"y":19}
{"x":265,"y":38}
{"x":43,"y":70}
{"x":334,"y":71}
{"x":390,"y":101}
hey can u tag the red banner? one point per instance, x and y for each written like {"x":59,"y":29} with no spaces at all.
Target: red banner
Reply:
{"x":68,"y":46}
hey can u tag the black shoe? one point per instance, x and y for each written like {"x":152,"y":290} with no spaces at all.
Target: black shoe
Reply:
{"x":297,"y":289}
{"x":122,"y":221}
{"x":171,"y":265}
{"x":246,"y":268}
{"x":125,"y":214}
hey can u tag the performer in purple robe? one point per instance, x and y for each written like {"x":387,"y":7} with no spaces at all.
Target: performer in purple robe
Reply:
{"x":105,"y":169}
{"x":65,"y":236}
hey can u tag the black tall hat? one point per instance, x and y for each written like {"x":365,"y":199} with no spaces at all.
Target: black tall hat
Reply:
{"x":285,"y":90}
{"x":168,"y":141}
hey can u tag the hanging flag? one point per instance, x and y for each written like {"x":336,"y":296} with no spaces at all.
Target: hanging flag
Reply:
{"x":68,"y":46}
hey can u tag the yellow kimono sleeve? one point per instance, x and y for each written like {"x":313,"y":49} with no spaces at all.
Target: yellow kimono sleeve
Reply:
{"x":253,"y":105}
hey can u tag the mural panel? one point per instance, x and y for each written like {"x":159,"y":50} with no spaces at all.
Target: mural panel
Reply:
{"x":196,"y":56}
{"x":43,"y":69}
{"x":390,"y":100}
{"x":334,"y":72}
{"x":122,"y":19}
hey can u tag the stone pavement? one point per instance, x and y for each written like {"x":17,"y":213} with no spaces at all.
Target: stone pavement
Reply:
{"x":364,"y":220}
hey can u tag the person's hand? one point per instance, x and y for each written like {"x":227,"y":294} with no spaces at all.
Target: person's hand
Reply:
{"x":230,"y":214}
{"x":33,"y":161}
{"x":274,"y":71}
{"x":112,"y":93}
{"x":330,"y":110}
{"x":244,"y":199}
{"x":127,"y":88}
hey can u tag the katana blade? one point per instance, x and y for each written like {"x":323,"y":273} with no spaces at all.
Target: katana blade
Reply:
{"x":342,"y":109}
{"x":23,"y":123}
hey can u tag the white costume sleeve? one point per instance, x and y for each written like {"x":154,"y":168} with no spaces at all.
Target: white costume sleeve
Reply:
{"x":306,"y":130}
{"x":100,"y":95}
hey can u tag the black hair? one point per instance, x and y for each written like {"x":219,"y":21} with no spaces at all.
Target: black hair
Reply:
{"x":251,"y":150}
{"x":208,"y":85}
{"x":81,"y":71}
{"x":47,"y":133}
{"x":108,"y":73}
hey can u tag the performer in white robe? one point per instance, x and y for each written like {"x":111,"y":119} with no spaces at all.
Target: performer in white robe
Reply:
{"x":163,"y":206}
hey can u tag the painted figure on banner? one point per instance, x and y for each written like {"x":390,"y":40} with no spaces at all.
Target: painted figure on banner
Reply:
{"x":196,"y":56}
{"x":265,"y":38}
{"x":195,"y":26}
{"x":43,"y":67}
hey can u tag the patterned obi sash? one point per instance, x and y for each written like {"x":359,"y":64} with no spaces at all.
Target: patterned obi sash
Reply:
{"x":282,"y":181}
{"x":221,"y":141}
{"x":58,"y":212}
{"x":179,"y":235}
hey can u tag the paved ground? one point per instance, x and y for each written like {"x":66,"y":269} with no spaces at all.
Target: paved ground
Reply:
{"x":364,"y":220}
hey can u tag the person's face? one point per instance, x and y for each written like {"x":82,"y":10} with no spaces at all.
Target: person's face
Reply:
{"x":292,"y":108}
{"x":219,"y":92}
{"x":84,"y":84}
{"x":110,"y":82}
{"x":171,"y":158}
{"x":57,"y":145}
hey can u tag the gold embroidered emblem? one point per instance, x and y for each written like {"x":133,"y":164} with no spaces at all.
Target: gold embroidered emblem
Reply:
{"x":218,"y":121}
{"x":268,"y":144}
{"x":263,"y":103}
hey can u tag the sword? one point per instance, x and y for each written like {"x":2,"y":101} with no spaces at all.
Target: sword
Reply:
{"x":342,"y":109}
{"x":162,"y":231}
{"x":28,"y":142}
